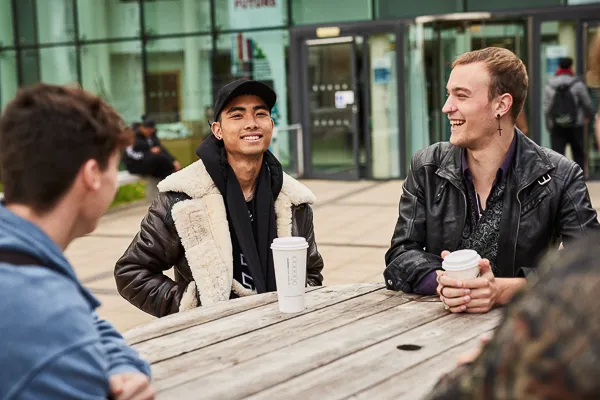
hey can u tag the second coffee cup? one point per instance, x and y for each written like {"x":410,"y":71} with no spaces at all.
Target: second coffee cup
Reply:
{"x":462,"y":264}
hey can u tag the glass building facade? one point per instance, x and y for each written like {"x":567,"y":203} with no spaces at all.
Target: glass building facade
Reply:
{"x":360,"y":83}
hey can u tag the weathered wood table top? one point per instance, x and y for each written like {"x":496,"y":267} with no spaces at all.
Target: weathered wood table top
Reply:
{"x":360,"y":341}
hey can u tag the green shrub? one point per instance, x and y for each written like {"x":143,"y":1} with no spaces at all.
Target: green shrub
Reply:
{"x":128,"y":193}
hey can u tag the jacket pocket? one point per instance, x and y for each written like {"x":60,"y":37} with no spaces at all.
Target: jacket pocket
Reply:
{"x":534,"y":200}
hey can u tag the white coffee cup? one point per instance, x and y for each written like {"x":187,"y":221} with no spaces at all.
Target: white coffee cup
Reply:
{"x":462,"y":264}
{"x":289,"y":259}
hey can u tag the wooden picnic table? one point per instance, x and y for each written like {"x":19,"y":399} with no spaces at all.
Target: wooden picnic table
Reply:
{"x":360,"y":341}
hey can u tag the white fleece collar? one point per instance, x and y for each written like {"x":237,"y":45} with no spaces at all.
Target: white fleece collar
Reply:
{"x":195,"y":181}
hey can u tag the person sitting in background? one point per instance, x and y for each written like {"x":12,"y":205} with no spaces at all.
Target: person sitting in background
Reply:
{"x":547,"y":344}
{"x":147,"y":156}
{"x":59,"y":161}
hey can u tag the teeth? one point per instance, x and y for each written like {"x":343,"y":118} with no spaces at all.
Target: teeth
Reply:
{"x":457,"y":123}
{"x":251,"y":138}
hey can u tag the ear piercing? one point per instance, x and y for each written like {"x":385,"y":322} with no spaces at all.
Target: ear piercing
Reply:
{"x":499,"y":127}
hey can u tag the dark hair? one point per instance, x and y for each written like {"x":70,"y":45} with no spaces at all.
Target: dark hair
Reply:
{"x":565,"y":62}
{"x":507,"y":72}
{"x":47,"y":132}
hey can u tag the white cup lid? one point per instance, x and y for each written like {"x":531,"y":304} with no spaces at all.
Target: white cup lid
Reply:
{"x":289,"y":243}
{"x":461,"y":259}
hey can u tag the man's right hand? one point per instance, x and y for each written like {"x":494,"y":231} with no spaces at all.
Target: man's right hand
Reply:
{"x":131,"y":386}
{"x":155,"y":149}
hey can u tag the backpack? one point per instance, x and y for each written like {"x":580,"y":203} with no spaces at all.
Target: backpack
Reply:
{"x":563,"y":111}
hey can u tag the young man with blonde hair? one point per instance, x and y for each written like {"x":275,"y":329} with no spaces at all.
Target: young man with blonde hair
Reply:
{"x":490,"y":189}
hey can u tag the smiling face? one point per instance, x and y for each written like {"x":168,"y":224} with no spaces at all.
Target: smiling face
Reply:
{"x":469,"y":109}
{"x":245,"y":126}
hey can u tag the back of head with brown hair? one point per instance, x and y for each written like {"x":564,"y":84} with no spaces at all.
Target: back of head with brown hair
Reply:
{"x":47,"y":132}
{"x":507,"y":74}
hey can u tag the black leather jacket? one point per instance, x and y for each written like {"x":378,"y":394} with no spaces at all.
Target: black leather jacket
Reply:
{"x":157,"y":248}
{"x":546,"y":202}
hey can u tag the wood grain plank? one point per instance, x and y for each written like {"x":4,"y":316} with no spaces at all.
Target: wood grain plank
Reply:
{"x":198,"y":316}
{"x":422,"y":377}
{"x":196,"y":337}
{"x":222,"y":355}
{"x":377,"y":363}
{"x":250,"y":377}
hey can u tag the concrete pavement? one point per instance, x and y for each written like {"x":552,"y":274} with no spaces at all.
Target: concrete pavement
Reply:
{"x":354,"y":222}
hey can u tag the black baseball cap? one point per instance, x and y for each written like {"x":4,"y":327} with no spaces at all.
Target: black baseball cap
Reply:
{"x":148,"y":122}
{"x":241,"y":87}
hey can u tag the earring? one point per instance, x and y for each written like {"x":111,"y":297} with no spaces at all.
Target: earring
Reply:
{"x":499,"y":127}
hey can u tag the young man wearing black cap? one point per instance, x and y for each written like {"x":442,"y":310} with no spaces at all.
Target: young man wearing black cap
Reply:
{"x":214,"y":221}
{"x":148,"y":156}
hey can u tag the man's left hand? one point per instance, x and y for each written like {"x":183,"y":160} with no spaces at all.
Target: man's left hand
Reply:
{"x":131,"y":386}
{"x":484,"y":291}
{"x":176,"y":165}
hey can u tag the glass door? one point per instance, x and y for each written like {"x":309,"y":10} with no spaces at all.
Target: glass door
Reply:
{"x":333,"y":107}
{"x":590,"y":30}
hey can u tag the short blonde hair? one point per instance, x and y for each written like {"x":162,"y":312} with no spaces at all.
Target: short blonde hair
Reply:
{"x":507,"y":74}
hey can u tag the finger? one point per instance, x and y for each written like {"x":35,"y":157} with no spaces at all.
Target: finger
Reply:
{"x":449,"y":292}
{"x":480,"y":303}
{"x":133,"y":388}
{"x":447,"y":281}
{"x":458,"y":309}
{"x":445,"y":253}
{"x":479,"y":310}
{"x":477,"y":283}
{"x":116,"y":384}
{"x":486,"y":337}
{"x":468,"y":357}
{"x":482,"y":293}
{"x":455,"y":302}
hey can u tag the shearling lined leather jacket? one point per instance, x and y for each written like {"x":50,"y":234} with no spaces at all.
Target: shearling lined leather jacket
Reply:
{"x":186,"y":228}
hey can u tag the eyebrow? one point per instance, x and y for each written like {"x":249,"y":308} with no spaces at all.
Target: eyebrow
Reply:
{"x":459,"y":89}
{"x":242,"y":109}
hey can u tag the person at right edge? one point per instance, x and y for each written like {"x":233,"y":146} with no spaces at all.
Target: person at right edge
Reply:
{"x":491,"y":189}
{"x":567,"y":108}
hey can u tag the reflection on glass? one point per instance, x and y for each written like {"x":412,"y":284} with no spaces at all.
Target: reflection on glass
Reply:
{"x":248,"y":14}
{"x":420,"y":119}
{"x":6,"y":24}
{"x":178,"y":92}
{"x":324,"y":11}
{"x":101,"y":19}
{"x":593,"y":83}
{"x":58,"y":65}
{"x":182,"y":16}
{"x":332,"y":100}
{"x":45,"y":21}
{"x":8,"y":77}
{"x":114,"y":72}
{"x":386,"y":9}
{"x":385,"y":141}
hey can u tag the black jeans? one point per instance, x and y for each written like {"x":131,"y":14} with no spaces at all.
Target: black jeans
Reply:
{"x":156,"y":165}
{"x":574,"y":136}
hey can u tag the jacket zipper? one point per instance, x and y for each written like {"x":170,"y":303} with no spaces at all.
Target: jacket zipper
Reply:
{"x":465,"y":208}
{"x":519,"y":219}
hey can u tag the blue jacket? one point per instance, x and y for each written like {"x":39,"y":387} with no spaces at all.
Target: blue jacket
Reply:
{"x":52,"y":343}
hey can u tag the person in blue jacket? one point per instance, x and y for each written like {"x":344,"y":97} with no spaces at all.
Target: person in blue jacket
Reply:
{"x":59,"y":157}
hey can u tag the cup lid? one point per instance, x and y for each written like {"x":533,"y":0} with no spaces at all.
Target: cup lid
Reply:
{"x":461,"y":259}
{"x":292,"y":242}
